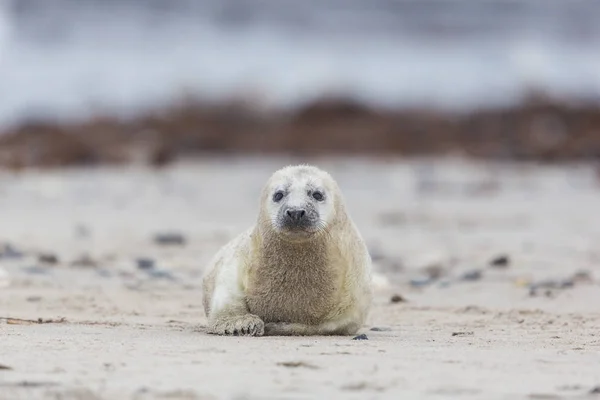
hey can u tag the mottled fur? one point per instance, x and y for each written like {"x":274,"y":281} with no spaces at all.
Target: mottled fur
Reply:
{"x":270,"y":281}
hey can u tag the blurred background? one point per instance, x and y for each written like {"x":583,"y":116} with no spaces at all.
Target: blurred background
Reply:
{"x":86,"y":82}
{"x":136,"y":136}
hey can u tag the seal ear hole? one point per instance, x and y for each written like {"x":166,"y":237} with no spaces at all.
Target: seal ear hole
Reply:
{"x":278,"y":196}
{"x":318,"y":195}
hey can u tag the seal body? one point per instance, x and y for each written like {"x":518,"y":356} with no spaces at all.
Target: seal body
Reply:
{"x":303,"y":269}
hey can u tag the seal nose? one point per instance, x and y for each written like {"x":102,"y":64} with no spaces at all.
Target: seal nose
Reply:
{"x":295,"y":215}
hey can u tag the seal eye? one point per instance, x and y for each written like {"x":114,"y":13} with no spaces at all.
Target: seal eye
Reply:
{"x":278,"y":196}
{"x":318,"y":196}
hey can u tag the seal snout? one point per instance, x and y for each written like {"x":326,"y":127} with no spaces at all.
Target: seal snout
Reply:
{"x":295,"y":215}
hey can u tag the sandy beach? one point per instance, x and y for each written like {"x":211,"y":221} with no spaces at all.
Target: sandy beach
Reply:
{"x":488,"y":284}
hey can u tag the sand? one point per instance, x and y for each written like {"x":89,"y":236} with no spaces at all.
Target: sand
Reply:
{"x":113,"y":330}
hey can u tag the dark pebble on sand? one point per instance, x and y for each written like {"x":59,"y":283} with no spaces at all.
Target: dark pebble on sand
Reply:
{"x":160,"y":274}
{"x":360,"y":337}
{"x":397,"y":299}
{"x":170,"y":239}
{"x":567,"y":283}
{"x":48,"y":258}
{"x":582,"y":277}
{"x":471,"y":276}
{"x":463,"y":333}
{"x":434,"y":271}
{"x":502,"y":261}
{"x":420,"y":282}
{"x":547,"y":286}
{"x":104,"y":273}
{"x":145,"y":263}
{"x":84,"y":261}
{"x":550,"y":285}
{"x":380,"y":329}
{"x":8,"y":252}
{"x":595,"y":390}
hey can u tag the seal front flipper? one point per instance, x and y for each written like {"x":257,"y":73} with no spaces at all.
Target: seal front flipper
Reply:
{"x":236,"y":324}
{"x":229,"y":315}
{"x":223,"y":293}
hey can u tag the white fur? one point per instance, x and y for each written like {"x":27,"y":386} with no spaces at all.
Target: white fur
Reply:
{"x":228,"y":289}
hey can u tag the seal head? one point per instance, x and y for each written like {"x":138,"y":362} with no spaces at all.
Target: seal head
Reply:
{"x":298,"y":203}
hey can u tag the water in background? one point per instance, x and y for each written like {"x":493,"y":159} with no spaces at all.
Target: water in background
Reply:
{"x":68,"y":58}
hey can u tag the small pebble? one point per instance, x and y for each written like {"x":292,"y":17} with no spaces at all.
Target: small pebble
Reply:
{"x":84,"y":261}
{"x":547,"y":286}
{"x":169,"y":239}
{"x":297,"y":364}
{"x":48,"y":258}
{"x":532,"y":292}
{"x":420,"y":282}
{"x":595,"y":390}
{"x":582,"y":276}
{"x":360,"y":337}
{"x":145,"y":263}
{"x":160,"y":274}
{"x":472,"y":276}
{"x":463,"y":333}
{"x":434,"y":271}
{"x":380,"y":329}
{"x":502,"y":261}
{"x":397,"y":299}
{"x":7,"y":251}
{"x":567,"y":283}
{"x":34,"y":299}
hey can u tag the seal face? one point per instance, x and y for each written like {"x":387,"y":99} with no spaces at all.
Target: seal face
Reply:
{"x":299,"y":204}
{"x":303,"y":269}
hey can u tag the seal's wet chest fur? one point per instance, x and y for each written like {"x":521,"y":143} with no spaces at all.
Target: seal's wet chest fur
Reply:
{"x":293,"y":283}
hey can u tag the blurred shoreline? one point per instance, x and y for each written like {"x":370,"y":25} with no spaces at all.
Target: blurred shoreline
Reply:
{"x":70,"y":59}
{"x":539,"y":128}
{"x":94,"y":82}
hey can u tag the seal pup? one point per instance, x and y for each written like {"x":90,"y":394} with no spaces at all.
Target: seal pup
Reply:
{"x":302,"y":269}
